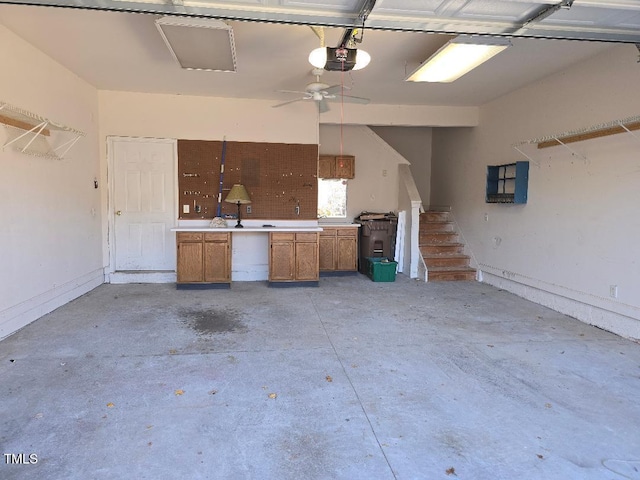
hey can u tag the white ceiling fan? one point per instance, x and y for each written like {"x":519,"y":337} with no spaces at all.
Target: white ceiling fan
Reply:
{"x":322,"y":93}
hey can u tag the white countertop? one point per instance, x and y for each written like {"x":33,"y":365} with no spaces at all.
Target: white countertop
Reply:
{"x":338,"y":225}
{"x":247,"y":229}
{"x":251,"y":226}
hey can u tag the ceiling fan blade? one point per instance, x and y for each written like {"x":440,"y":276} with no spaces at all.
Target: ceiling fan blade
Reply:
{"x":292,"y":91}
{"x":349,"y":99}
{"x":287,"y":103}
{"x":323,"y":106}
{"x":333,"y":89}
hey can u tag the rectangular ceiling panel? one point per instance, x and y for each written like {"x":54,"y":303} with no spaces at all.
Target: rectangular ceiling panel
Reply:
{"x":499,"y":10}
{"x":410,"y":7}
{"x":326,"y":5}
{"x":594,"y":17}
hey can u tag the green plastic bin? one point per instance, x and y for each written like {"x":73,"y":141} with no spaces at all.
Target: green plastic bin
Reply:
{"x":381,"y":269}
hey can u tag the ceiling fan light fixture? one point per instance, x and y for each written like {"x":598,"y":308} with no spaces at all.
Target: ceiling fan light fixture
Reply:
{"x":318,"y":57}
{"x":329,"y":58}
{"x":362,"y":60}
{"x":456,"y":58}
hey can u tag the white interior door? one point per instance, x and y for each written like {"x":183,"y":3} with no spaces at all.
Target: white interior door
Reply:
{"x":144,"y":204}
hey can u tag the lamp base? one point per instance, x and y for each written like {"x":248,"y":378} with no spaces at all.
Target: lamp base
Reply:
{"x":239,"y":225}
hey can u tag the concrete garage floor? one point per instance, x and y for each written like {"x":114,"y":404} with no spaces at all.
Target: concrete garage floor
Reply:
{"x":351,"y":380}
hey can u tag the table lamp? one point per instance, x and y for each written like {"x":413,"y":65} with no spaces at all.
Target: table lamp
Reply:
{"x":240,"y":196}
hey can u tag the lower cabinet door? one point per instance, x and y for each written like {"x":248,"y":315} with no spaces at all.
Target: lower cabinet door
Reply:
{"x":189,"y":269}
{"x":306,"y":261}
{"x":281,"y":262}
{"x":347,"y":254}
{"x":327,"y":253}
{"x":216,"y":262}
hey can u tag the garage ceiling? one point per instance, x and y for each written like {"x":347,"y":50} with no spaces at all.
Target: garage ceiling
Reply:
{"x":602,"y":20}
{"x":113,"y":48}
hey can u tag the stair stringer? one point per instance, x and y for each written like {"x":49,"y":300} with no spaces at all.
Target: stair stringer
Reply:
{"x":473,"y":263}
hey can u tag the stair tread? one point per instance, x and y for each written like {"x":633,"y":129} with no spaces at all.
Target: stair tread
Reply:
{"x":451,"y":269}
{"x":441,"y":248}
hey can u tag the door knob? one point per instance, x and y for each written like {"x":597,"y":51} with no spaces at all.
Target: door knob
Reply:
{"x":119,"y":212}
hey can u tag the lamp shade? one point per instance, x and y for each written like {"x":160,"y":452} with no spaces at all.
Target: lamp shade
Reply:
{"x":238,"y":194}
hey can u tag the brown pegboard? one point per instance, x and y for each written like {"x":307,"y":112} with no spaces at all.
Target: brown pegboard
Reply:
{"x":278,"y":176}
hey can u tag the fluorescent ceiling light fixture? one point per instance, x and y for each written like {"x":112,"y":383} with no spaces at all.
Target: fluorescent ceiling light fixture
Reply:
{"x":328,"y":58}
{"x":457,"y":57}
{"x":199,"y":44}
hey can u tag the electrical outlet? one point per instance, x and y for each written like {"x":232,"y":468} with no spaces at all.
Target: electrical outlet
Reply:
{"x":486,"y":217}
{"x":384,"y":173}
{"x":248,"y":208}
{"x":613,"y":291}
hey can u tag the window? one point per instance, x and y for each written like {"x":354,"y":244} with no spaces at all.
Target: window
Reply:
{"x":332,"y":198}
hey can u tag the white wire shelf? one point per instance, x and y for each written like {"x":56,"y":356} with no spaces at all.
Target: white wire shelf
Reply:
{"x":28,"y":132}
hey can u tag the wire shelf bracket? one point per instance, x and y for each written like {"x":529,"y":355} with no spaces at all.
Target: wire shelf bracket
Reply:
{"x":31,"y":132}
{"x":625,"y":125}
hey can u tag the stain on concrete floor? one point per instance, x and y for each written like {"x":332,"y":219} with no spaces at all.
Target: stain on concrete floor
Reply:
{"x":209,"y":321}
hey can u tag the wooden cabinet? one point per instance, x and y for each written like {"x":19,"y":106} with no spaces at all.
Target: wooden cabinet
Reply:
{"x":203,"y":257}
{"x":293,"y":257}
{"x":327,"y":248}
{"x":282,"y":257}
{"x":336,"y":166}
{"x":338,"y":248}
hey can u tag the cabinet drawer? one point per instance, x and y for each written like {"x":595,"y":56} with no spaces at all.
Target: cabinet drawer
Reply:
{"x":306,"y":237}
{"x":328,"y":232}
{"x":216,"y":237}
{"x":282,"y":237}
{"x":348,"y":232}
{"x":190,"y":236}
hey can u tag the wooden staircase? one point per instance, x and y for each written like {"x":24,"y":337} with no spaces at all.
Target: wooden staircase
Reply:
{"x":441,"y":249}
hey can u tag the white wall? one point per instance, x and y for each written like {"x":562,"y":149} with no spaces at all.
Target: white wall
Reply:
{"x":51,"y":214}
{"x":577,"y":235}
{"x":402,"y":115}
{"x":205,"y":118}
{"x":375,"y":186}
{"x":414,"y":144}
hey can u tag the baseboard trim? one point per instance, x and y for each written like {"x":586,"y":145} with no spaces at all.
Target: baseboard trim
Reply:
{"x":19,"y":316}
{"x":293,"y":284}
{"x":614,"y":322}
{"x":203,"y":286}
{"x":142,"y":277}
